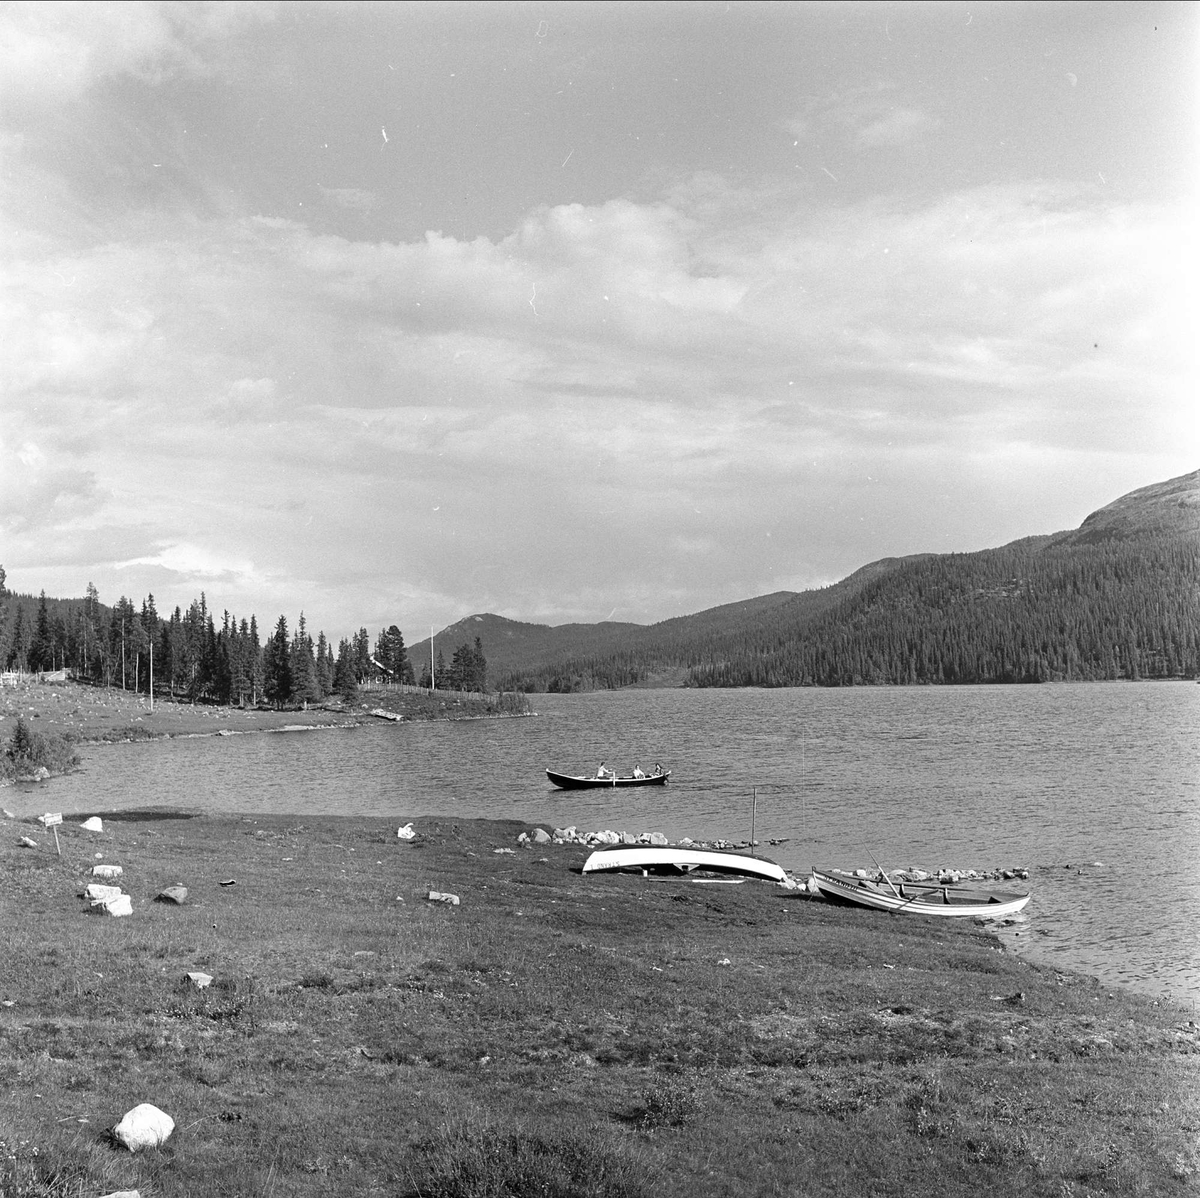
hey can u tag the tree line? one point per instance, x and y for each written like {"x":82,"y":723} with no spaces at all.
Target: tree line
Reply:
{"x":189,"y":655}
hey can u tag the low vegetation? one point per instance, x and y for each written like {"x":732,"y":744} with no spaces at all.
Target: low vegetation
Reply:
{"x":35,"y":755}
{"x":552,"y":1034}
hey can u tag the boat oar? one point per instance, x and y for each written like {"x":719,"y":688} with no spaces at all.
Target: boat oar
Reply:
{"x":885,"y":877}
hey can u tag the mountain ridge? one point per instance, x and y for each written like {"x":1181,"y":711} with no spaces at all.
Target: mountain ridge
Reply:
{"x":576,"y":656}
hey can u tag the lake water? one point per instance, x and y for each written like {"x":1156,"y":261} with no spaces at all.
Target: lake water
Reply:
{"x":1093,"y":787}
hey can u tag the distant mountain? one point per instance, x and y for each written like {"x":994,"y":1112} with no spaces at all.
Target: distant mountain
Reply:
{"x":1119,"y":597}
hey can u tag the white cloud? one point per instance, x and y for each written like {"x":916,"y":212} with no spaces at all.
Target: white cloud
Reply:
{"x":896,"y":127}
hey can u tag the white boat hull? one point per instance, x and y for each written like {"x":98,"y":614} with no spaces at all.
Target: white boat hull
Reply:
{"x":908,"y":899}
{"x":647,"y":856}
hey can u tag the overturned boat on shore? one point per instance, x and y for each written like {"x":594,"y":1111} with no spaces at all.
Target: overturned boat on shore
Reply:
{"x":677,"y":859}
{"x":917,"y":898}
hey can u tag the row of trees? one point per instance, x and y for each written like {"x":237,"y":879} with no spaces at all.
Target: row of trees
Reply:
{"x":187,"y":654}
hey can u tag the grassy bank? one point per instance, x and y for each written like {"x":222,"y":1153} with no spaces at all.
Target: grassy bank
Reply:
{"x":81,"y":714}
{"x":552,"y":1034}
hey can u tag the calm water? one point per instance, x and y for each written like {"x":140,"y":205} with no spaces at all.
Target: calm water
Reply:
{"x":1101,"y":778}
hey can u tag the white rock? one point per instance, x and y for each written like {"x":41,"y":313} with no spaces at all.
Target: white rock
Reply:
{"x":122,"y":1194}
{"x":541,"y":836}
{"x":406,"y":833}
{"x":95,"y":824}
{"x":120,"y":904}
{"x":107,"y":871}
{"x":144,"y":1127}
{"x":658,"y":839}
{"x":438,"y":896}
{"x":26,"y":843}
{"x":97,"y":890}
{"x":200,"y":980}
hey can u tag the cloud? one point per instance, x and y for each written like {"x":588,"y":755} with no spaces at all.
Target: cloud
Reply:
{"x":897,"y":127}
{"x":272,"y":412}
{"x":352,"y":199}
{"x":865,"y":118}
{"x":54,"y":52}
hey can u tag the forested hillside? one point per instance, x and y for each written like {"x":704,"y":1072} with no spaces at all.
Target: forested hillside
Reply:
{"x":1117,"y":598}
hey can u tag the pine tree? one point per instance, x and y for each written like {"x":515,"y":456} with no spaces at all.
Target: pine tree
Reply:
{"x":277,"y":666}
{"x":305,"y":687}
{"x":345,"y":680}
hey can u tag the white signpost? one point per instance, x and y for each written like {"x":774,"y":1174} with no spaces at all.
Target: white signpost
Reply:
{"x":52,"y":821}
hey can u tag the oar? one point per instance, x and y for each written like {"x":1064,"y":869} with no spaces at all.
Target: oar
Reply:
{"x":885,"y":877}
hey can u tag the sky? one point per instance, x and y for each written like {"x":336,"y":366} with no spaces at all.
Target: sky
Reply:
{"x":572,"y":312}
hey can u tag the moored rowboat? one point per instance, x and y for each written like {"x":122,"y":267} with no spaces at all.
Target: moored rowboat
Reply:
{"x":918,"y":899}
{"x":579,"y":782}
{"x":682,"y":860}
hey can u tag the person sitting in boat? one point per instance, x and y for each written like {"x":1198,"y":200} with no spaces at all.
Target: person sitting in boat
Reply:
{"x":602,"y":771}
{"x":658,"y":769}
{"x":637,"y":772}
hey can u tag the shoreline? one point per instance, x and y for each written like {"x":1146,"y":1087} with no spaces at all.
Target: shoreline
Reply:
{"x":377,"y":1004}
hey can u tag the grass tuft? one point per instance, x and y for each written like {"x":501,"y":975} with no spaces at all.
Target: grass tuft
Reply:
{"x":466,"y":1160}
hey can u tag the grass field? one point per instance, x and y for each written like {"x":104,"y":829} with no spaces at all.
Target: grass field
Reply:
{"x":552,"y":1034}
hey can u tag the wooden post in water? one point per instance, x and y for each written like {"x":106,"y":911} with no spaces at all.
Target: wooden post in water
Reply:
{"x":753,"y":817}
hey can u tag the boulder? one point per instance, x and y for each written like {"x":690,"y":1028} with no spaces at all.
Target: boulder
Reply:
{"x":107,"y":871}
{"x":438,"y":896}
{"x":407,"y":832}
{"x":95,"y":824}
{"x":26,"y":843}
{"x":628,"y":838}
{"x":658,"y":839}
{"x":97,"y":891}
{"x":172,"y":894}
{"x":143,"y":1127}
{"x":541,"y":836}
{"x":200,"y":980}
{"x":120,"y":904}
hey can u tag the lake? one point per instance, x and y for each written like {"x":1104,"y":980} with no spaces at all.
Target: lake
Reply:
{"x":1094,"y":787}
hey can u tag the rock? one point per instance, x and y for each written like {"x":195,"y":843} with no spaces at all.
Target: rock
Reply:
{"x":95,"y":824}
{"x":107,"y":871}
{"x":658,"y":839}
{"x":97,"y":891}
{"x":438,"y":896}
{"x":172,"y":894}
{"x":628,"y":838}
{"x":541,"y":836}
{"x":143,"y":1127}
{"x":120,"y":904}
{"x":406,"y":833}
{"x":122,"y":1194}
{"x":26,"y":843}
{"x":6,"y":813}
{"x":200,"y":980}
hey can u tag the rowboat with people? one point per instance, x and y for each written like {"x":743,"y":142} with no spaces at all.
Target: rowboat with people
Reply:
{"x":610,"y":778}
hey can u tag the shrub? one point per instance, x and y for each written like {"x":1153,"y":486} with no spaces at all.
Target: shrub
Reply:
{"x":474,"y":1162}
{"x":29,"y":751}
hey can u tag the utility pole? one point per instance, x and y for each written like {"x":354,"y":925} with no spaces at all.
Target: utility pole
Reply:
{"x":432,"y":680}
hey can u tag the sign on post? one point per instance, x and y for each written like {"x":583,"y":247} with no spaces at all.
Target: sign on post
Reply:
{"x":52,"y":820}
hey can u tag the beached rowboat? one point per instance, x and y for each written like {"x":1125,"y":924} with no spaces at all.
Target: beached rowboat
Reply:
{"x":911,"y":898}
{"x":578,"y":782}
{"x":682,"y":860}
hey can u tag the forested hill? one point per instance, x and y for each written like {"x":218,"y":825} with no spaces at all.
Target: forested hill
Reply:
{"x":1119,"y":597}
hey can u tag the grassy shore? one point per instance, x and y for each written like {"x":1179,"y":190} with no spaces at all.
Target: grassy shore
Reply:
{"x":553,"y":1033}
{"x":85,"y":714}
